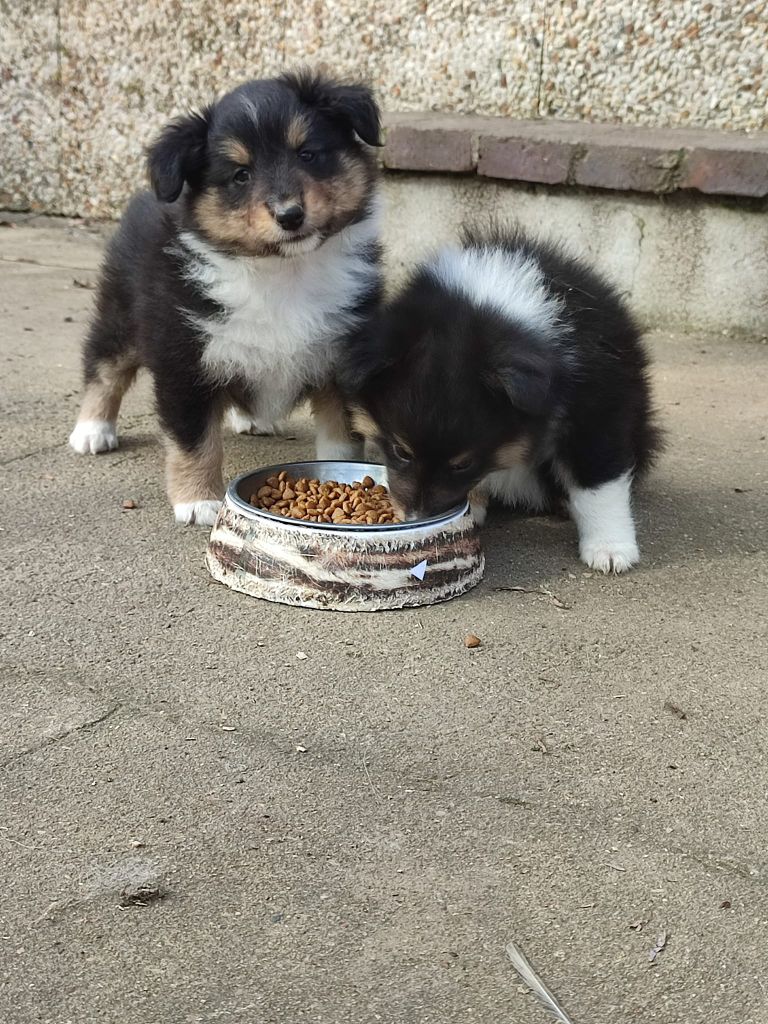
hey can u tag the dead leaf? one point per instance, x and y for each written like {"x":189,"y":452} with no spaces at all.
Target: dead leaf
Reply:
{"x":743,"y":490}
{"x":725,"y":905}
{"x":143,"y":894}
{"x":675,"y":710}
{"x":81,"y":283}
{"x":540,"y":745}
{"x":656,"y":948}
{"x":637,"y":926}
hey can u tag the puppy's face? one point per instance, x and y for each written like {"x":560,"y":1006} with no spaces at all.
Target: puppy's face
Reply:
{"x":436,"y":456}
{"x":447,"y":395}
{"x":276,"y":167}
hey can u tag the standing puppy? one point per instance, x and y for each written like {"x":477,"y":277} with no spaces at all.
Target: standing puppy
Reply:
{"x":507,"y":367}
{"x":235,"y":282}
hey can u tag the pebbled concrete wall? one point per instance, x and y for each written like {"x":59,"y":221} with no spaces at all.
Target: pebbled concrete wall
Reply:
{"x":85,"y":83}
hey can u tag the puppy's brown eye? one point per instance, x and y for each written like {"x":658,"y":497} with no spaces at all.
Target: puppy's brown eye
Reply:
{"x":241,"y":176}
{"x":306,"y":156}
{"x":401,"y":454}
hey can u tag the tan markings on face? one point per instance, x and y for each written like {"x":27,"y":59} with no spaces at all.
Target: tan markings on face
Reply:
{"x":332,"y":203}
{"x":296,"y":132}
{"x":404,"y":445}
{"x":512,"y":454}
{"x":251,"y":227}
{"x":399,"y":510}
{"x":104,"y":393}
{"x":329,"y":413}
{"x":363,"y":424}
{"x":402,"y":492}
{"x":236,"y":151}
{"x":195,"y":475}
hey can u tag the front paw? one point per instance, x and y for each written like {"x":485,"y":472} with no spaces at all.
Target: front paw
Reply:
{"x":240,"y":423}
{"x":478,"y":506}
{"x":197,"y":513}
{"x":339,"y":451}
{"x":609,"y":557}
{"x":93,"y":436}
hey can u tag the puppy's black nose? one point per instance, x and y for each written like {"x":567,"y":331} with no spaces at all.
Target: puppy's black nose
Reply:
{"x":290,"y":217}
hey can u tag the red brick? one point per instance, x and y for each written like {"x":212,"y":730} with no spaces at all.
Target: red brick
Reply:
{"x":618,"y":157}
{"x":727,"y":172}
{"x":428,"y":149}
{"x":523,"y":159}
{"x":627,"y":168}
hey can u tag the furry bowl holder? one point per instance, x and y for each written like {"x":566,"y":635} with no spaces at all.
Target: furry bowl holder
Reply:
{"x":344,"y":568}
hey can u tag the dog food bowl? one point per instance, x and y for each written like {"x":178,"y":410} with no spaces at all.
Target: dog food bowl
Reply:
{"x":346,"y":568}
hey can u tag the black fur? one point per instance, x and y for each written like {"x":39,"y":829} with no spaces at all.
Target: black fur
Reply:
{"x":443,"y":378}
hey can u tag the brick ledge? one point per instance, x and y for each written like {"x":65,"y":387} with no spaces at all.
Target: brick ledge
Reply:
{"x":551,"y":152}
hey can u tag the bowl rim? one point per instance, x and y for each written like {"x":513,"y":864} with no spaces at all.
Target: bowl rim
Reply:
{"x":245,"y":508}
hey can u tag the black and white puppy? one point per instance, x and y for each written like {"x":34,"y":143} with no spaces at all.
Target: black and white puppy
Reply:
{"x":508,"y":369}
{"x":235,"y":282}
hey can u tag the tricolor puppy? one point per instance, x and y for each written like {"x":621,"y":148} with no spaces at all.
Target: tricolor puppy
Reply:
{"x":235,"y":282}
{"x":507,"y":369}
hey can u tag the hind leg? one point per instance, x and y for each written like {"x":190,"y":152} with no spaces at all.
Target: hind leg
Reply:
{"x":108,"y":375}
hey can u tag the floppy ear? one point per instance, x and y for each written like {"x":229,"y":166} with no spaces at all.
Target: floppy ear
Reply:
{"x":178,"y":155}
{"x":351,"y":105}
{"x":355,"y":105}
{"x":526,"y":379}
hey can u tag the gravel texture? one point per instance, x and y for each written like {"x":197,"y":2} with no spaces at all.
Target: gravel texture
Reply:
{"x":675,"y":62}
{"x":29,"y":106}
{"x":84,"y":84}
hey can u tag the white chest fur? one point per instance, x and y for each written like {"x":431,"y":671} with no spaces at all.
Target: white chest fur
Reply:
{"x":280,"y":316}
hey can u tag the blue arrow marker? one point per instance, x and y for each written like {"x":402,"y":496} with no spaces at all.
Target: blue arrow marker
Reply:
{"x":419,"y":570}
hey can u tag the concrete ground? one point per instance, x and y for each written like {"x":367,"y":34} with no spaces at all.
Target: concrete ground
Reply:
{"x":196,"y":825}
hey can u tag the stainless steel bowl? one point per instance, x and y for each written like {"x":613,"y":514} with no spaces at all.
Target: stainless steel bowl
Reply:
{"x":345,"y":567}
{"x":242,"y":487}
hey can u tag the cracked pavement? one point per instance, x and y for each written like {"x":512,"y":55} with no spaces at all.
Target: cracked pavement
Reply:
{"x":356,"y":836}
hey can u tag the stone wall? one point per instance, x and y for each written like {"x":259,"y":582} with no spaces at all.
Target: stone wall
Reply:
{"x":85,"y":83}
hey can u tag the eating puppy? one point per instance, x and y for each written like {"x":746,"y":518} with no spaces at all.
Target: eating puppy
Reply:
{"x":235,"y":280}
{"x":507,"y":369}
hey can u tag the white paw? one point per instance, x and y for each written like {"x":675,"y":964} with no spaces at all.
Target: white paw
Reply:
{"x":339,"y":451}
{"x":609,"y":557}
{"x":478,"y":506}
{"x":197,"y":513}
{"x":93,"y":436}
{"x":240,"y":423}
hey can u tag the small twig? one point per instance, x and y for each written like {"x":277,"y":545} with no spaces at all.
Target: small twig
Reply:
{"x":544,"y":591}
{"x":17,"y":843}
{"x":523,"y":967}
{"x":370,"y":782}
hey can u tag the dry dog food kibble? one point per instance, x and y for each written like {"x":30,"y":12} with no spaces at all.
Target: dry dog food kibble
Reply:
{"x":362,"y":503}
